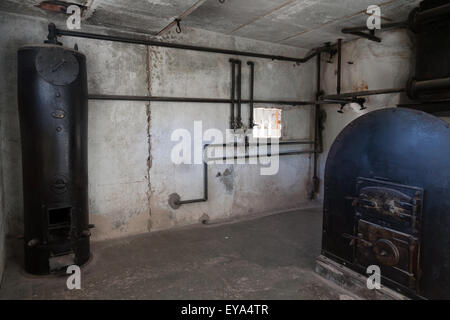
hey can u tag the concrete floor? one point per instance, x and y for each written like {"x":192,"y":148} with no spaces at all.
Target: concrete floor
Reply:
{"x":270,"y":257}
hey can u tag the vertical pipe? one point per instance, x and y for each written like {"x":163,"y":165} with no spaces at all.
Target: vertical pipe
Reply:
{"x":339,"y":66}
{"x":316,"y":131}
{"x":239,"y":95}
{"x":233,"y":89}
{"x":205,"y":180}
{"x":252,"y":83}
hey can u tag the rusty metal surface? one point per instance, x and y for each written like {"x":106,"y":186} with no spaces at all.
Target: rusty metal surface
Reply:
{"x":59,"y":6}
{"x":390,"y":169}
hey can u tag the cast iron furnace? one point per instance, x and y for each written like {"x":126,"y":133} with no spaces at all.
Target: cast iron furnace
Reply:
{"x":387,"y":177}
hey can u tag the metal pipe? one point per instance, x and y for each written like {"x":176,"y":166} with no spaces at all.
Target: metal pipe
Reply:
{"x":205,"y":184}
{"x":282,"y":102}
{"x":251,"y":123}
{"x":369,"y":36}
{"x":436,"y":84}
{"x":233,"y":89}
{"x":324,"y":99}
{"x":287,"y":153}
{"x":363,"y":93}
{"x":153,"y":43}
{"x":432,"y":89}
{"x":205,"y":187}
{"x":156,"y":98}
{"x":193,"y":100}
{"x":205,"y":168}
{"x":316,"y":130}
{"x":339,"y":66}
{"x":345,"y":101}
{"x":239,"y":95}
{"x":384,"y":26}
{"x":432,"y":13}
{"x":360,"y":31}
{"x":281,"y":143}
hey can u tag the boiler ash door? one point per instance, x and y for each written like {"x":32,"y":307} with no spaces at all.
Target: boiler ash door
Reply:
{"x":387,"y":200}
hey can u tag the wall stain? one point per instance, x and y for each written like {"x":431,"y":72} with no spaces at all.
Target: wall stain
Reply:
{"x":227,"y":178}
{"x":360,"y":86}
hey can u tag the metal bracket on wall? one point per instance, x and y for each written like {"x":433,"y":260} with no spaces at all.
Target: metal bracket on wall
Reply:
{"x":343,"y":102}
{"x":178,"y":22}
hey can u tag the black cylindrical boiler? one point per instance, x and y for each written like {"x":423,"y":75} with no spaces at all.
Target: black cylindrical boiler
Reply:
{"x":53,"y":109}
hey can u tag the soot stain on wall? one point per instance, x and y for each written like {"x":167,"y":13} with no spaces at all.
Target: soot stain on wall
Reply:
{"x":227,"y":178}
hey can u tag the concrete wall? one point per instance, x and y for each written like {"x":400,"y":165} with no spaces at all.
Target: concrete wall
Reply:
{"x":130,"y":172}
{"x":243,"y":190}
{"x":372,"y":66}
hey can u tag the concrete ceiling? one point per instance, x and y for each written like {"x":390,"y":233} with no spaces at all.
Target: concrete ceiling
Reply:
{"x":300,"y":23}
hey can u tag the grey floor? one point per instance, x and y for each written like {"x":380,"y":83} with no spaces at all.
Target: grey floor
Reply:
{"x":269,"y":257}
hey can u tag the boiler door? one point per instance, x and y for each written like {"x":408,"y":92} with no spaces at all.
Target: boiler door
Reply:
{"x":396,"y":253}
{"x":57,"y":66}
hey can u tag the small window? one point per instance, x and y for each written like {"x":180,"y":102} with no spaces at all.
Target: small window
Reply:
{"x":267,"y":123}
